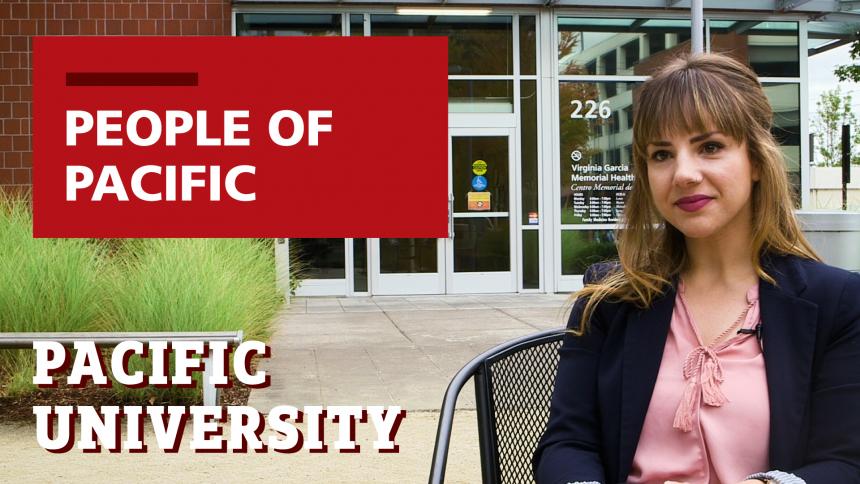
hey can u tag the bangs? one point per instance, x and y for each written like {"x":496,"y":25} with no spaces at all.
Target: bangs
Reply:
{"x":688,"y":101}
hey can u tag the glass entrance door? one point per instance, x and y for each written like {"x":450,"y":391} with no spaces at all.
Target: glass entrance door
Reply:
{"x":479,"y":255}
{"x":479,"y":258}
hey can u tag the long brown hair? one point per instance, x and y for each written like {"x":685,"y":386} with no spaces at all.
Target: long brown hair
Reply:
{"x":693,"y":94}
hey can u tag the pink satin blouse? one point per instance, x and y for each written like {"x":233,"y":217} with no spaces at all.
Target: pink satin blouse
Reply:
{"x":709,"y":419}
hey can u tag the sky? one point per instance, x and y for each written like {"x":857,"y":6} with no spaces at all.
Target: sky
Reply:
{"x":821,"y":76}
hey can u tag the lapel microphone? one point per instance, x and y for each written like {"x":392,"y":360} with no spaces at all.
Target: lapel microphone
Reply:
{"x":756,"y":331}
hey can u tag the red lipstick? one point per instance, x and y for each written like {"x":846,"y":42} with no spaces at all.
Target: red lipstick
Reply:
{"x":693,"y":202}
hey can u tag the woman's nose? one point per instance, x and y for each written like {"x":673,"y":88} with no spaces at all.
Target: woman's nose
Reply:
{"x":687,"y":170}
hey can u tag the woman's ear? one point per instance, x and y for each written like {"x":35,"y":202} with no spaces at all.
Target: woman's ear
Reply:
{"x":755,"y":162}
{"x":756,"y":174}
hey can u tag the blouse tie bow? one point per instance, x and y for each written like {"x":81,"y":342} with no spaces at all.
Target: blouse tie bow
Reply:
{"x":704,"y":374}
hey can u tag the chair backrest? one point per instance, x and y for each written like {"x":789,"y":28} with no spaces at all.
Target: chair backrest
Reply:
{"x":513,"y":389}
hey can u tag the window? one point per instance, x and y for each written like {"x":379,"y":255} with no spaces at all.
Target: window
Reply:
{"x":288,"y":24}
{"x":631,"y":54}
{"x":476,"y":45}
{"x":594,"y":45}
{"x":321,"y":258}
{"x":770,"y":48}
{"x":591,"y":194}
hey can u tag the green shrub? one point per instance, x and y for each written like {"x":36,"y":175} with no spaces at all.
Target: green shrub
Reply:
{"x":45,"y":285}
{"x":298,"y":271}
{"x":191,"y":285}
{"x":127,"y":285}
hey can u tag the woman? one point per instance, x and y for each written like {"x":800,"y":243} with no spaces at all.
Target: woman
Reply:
{"x":719,"y":349}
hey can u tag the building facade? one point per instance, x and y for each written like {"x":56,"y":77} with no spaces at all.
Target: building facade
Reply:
{"x":540,"y":118}
{"x":540,"y":109}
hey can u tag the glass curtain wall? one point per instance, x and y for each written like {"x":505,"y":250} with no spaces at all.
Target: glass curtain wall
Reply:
{"x":772,"y":49}
{"x":477,"y":46}
{"x":288,"y":25}
{"x":493,"y":68}
{"x":484,"y":65}
{"x":601,"y":62}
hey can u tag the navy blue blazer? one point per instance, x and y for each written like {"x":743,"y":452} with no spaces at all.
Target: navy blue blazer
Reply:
{"x":811,"y":339}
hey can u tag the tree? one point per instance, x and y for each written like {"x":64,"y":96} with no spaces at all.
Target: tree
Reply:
{"x":834,"y":110}
{"x":850,"y":72}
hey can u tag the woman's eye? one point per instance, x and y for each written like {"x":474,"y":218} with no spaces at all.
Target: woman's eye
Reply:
{"x":712,"y":147}
{"x":660,"y":155}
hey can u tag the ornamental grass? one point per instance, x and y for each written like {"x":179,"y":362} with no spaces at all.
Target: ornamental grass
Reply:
{"x":127,"y":285}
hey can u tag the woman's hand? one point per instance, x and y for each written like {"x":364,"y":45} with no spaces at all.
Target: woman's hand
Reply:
{"x":751,"y":481}
{"x":748,"y":481}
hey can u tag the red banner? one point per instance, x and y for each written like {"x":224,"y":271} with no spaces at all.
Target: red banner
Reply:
{"x":240,"y":137}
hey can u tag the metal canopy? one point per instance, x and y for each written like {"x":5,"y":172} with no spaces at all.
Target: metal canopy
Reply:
{"x":787,"y":5}
{"x":830,"y":22}
{"x":773,"y":6}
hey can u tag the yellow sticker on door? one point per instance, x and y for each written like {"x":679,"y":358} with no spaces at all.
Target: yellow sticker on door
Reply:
{"x":478,"y":201}
{"x":479,"y":167}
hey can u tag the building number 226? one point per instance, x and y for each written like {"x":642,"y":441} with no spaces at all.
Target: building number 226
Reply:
{"x":594,"y":110}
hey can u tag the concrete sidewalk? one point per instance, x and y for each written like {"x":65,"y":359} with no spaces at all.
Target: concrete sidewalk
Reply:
{"x":359,"y":351}
{"x":392,"y":350}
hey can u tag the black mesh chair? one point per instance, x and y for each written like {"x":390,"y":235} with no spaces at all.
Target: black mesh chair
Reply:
{"x":513,"y":387}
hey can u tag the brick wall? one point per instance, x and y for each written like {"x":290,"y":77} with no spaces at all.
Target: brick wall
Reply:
{"x":20,"y":20}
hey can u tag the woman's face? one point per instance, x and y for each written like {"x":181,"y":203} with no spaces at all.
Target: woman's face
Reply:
{"x":701,"y":183}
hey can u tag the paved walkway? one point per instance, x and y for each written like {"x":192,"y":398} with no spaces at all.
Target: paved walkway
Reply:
{"x":358,"y":351}
{"x":392,"y":350}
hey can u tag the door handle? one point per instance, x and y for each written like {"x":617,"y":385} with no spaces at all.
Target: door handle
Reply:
{"x":450,"y":215}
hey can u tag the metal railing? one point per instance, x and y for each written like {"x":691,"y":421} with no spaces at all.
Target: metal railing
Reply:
{"x":211,"y":395}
